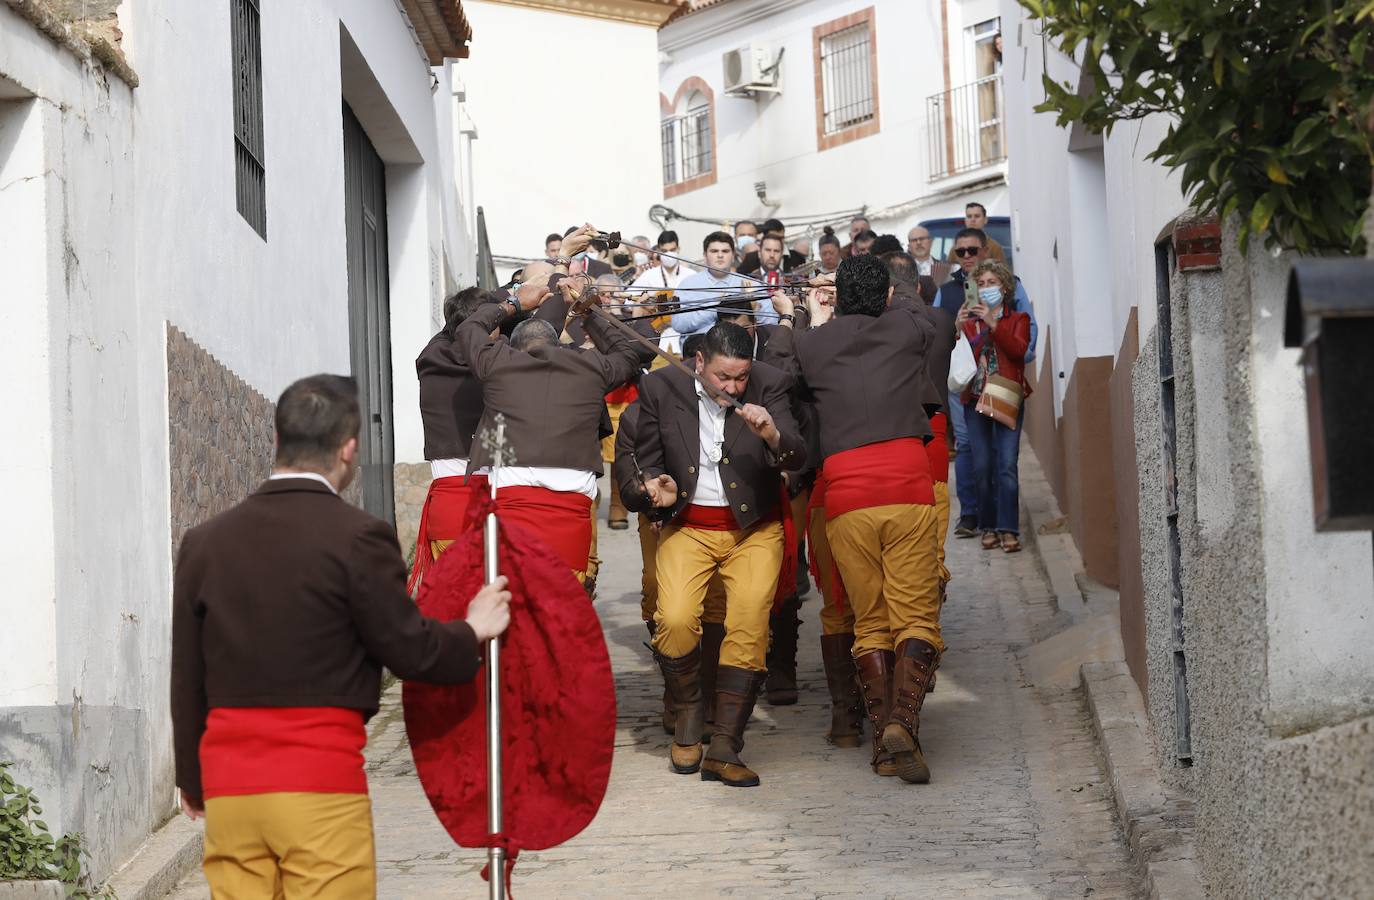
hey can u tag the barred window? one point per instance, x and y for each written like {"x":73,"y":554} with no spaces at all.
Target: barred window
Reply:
{"x":687,"y":141}
{"x":250,"y":176}
{"x":846,"y":78}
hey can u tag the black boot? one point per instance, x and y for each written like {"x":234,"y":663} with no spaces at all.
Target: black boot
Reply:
{"x":782,"y":655}
{"x":712,"y":635}
{"x":682,"y":675}
{"x":735,"y":693}
{"x":803,"y":568}
{"x":846,"y":703}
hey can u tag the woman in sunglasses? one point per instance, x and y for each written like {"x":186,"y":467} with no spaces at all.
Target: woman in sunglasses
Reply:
{"x":999,"y":334}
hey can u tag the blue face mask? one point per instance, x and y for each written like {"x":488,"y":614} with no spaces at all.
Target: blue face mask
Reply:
{"x":992,"y":296}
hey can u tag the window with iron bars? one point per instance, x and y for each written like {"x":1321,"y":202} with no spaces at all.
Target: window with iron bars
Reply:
{"x":847,"y":78}
{"x":250,"y":176}
{"x":687,"y":144}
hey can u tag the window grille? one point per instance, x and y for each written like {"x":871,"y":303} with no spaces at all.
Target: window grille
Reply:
{"x":847,"y":78}
{"x":687,"y":144}
{"x":250,"y":177}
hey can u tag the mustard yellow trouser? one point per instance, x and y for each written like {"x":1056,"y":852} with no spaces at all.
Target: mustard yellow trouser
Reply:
{"x":886,"y":556}
{"x":834,"y":619}
{"x":714,"y":610}
{"x":747,"y":561}
{"x":608,"y":443}
{"x":941,"y":525}
{"x":285,"y":846}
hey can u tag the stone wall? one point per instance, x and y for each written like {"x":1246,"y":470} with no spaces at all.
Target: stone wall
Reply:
{"x":1279,"y":815}
{"x":221,"y":435}
{"x":412,"y":484}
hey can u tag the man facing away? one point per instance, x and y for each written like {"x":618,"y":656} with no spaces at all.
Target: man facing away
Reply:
{"x":866,"y":370}
{"x":715,"y":473}
{"x":284,"y":611}
{"x":552,"y":398}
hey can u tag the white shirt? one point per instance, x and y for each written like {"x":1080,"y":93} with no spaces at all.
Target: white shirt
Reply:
{"x":569,"y":481}
{"x":313,"y":476}
{"x":926,"y":266}
{"x":710,"y":491}
{"x":659,"y":277}
{"x":447,"y":468}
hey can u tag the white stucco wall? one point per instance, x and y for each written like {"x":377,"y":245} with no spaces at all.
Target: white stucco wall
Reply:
{"x":128,"y":223}
{"x":567,"y":112}
{"x":773,"y":138}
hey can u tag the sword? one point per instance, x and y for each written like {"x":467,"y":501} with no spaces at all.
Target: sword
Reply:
{"x":494,"y":439}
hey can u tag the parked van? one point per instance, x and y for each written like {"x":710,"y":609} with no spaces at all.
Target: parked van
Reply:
{"x":942,"y":232}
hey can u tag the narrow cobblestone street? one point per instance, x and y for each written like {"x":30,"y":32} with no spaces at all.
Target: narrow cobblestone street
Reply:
{"x":1017,"y":806}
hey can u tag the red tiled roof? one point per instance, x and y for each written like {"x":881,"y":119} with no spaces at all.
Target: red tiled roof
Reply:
{"x":693,"y":6}
{"x":442,"y":27}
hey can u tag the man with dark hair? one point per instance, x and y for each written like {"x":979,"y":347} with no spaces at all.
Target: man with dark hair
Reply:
{"x":746,"y":238}
{"x":664,"y":277}
{"x":753,"y":263}
{"x":863,"y":243}
{"x":699,"y":293}
{"x":552,"y":400}
{"x":857,"y":226}
{"x":284,"y":611}
{"x":866,"y":371}
{"x":886,"y":243}
{"x":553,"y":245}
{"x":976,"y":216}
{"x":713,"y":474}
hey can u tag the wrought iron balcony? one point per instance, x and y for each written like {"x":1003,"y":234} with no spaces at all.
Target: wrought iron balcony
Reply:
{"x":965,"y":128}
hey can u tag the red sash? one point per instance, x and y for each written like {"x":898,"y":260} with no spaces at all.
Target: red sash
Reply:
{"x":881,"y":474}
{"x":562,"y":519}
{"x":265,"y":750}
{"x":626,"y":393}
{"x":937,"y":450}
{"x":707,"y":518}
{"x":443,"y":518}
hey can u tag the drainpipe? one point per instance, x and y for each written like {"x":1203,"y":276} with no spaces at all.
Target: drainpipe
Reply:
{"x":949,"y":88}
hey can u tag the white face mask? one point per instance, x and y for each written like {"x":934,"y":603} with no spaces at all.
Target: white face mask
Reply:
{"x":746,"y":243}
{"x":669,"y":265}
{"x":641,"y":258}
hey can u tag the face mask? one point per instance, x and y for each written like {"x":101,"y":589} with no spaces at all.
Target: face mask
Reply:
{"x":641,"y":259}
{"x":992,"y":296}
{"x":669,"y":265}
{"x":746,"y":243}
{"x":584,"y":255}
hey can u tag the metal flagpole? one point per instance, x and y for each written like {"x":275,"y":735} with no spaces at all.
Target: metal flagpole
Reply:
{"x":495,"y":440}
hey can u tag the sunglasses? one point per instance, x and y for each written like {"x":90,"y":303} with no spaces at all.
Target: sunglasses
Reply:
{"x":967,"y":251}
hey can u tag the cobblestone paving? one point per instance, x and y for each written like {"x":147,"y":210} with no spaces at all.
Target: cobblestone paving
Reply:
{"x":1018,"y":806}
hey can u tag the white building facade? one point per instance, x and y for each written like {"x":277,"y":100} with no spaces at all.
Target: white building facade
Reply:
{"x":238,"y":195}
{"x":566,"y":116}
{"x":812,"y":110}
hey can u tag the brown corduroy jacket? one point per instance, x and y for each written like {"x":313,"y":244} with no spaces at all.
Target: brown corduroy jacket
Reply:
{"x":669,"y":440}
{"x":296,"y":598}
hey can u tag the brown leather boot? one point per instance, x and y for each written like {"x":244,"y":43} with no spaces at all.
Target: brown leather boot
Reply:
{"x":669,"y":714}
{"x":846,"y":704}
{"x":875,"y":679}
{"x":916,"y":662}
{"x":736,"y":690}
{"x":616,"y":515}
{"x":781,"y":685}
{"x":712,"y":634}
{"x":682,"y":675}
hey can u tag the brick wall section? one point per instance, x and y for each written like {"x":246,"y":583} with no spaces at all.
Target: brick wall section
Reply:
{"x":221,"y":436}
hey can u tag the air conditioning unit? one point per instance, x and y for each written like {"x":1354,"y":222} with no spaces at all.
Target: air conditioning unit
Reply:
{"x":752,"y":69}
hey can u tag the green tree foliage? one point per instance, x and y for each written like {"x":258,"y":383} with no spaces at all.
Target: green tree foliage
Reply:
{"x":1268,"y":101}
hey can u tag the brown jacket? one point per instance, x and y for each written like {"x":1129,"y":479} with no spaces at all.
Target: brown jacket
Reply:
{"x":942,"y":342}
{"x":552,"y":397}
{"x":860,"y":371}
{"x":296,"y":598}
{"x":669,"y":440}
{"x":625,"y":469}
{"x":451,"y":396}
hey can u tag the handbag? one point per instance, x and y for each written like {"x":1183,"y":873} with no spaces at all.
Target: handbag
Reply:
{"x":1001,"y":400}
{"x":962,"y":365}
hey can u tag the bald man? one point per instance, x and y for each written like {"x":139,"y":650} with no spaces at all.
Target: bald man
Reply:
{"x":918,"y":244}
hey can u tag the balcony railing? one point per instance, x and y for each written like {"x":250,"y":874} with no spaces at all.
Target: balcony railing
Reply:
{"x":965,"y":127}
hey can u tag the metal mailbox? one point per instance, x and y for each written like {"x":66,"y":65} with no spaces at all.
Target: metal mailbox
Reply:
{"x":1330,"y":315}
